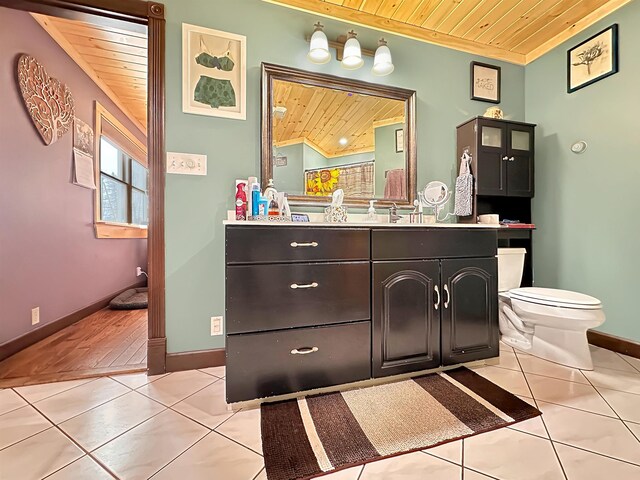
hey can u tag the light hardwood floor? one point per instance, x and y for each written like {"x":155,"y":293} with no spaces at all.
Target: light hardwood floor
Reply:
{"x":107,"y":342}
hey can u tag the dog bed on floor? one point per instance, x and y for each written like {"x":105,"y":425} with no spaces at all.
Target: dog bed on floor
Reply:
{"x":132,"y":299}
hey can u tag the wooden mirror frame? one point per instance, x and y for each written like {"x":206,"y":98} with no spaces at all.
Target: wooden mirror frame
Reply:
{"x":271,"y":72}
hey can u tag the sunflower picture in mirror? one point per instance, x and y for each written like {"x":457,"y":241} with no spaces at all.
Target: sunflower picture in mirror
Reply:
{"x":322,"y":182}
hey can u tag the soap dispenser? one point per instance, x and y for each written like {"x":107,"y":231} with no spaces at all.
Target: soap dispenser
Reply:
{"x":372,"y":216}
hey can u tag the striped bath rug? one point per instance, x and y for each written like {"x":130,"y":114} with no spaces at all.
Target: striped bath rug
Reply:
{"x":319,"y":434}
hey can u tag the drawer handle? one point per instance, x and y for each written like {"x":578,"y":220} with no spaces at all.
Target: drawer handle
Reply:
{"x":308,"y":244}
{"x":446,"y":290}
{"x":304,"y":350}
{"x":437,"y":304}
{"x":308,"y":285}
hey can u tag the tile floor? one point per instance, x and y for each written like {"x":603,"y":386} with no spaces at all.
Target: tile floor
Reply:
{"x":177,"y":426}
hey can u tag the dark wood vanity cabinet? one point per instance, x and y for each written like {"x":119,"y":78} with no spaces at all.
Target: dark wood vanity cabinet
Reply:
{"x":335,"y":305}
{"x":503,"y":156}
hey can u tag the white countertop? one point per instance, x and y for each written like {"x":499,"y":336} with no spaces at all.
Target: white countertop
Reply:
{"x":363,"y":224}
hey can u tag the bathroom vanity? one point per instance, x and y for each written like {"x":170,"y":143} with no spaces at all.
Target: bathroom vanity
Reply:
{"x":319,"y":305}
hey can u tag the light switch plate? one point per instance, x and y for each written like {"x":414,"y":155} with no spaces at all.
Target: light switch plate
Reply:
{"x":186,"y":163}
{"x":216,"y":326}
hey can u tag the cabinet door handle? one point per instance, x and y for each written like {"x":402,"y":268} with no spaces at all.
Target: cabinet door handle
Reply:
{"x":437,"y":304}
{"x":446,"y":290}
{"x":307,"y":285}
{"x":511,"y":159}
{"x":308,"y":244}
{"x":505,"y":158}
{"x":304,"y":350}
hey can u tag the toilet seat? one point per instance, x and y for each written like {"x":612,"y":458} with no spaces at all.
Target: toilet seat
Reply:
{"x":556,"y":298}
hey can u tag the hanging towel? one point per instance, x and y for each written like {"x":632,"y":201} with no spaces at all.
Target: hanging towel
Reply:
{"x":464,"y":188}
{"x":395,"y":186}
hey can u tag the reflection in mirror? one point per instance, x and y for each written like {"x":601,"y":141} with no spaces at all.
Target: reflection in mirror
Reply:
{"x":436,"y":193}
{"x":324,"y":139}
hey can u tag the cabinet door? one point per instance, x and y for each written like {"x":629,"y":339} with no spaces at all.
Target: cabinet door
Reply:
{"x":406,"y":316}
{"x":491,"y":174}
{"x":469,"y":310}
{"x":520,"y":161}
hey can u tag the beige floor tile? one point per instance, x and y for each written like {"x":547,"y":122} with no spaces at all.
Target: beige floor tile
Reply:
{"x":176,"y":386}
{"x":471,"y":475}
{"x":207,"y":406}
{"x":635,"y":362}
{"x":626,"y":405}
{"x":147,"y":448}
{"x":19,"y":424}
{"x":104,"y":423}
{"x":352,"y":473}
{"x":85,"y":468}
{"x":581,"y":465}
{"x":10,"y":400}
{"x":509,"y":454}
{"x":38,"y":456}
{"x":35,"y":393}
{"x":596,"y":433}
{"x":504,"y":347}
{"x":508,"y":360}
{"x":75,"y":401}
{"x":262,"y":475}
{"x":570,"y":394}
{"x":635,"y":428}
{"x":213,"y":457}
{"x":510,"y":380}
{"x":534,"y":426}
{"x":136,"y":380}
{"x":615,"y":379}
{"x":219,"y":372}
{"x":411,"y":466}
{"x":608,"y":359}
{"x":539,"y":366}
{"x":244,"y":428}
{"x":451,"y":451}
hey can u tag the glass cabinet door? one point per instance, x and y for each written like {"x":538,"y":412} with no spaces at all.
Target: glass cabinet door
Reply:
{"x":491,"y":136}
{"x":520,"y":140}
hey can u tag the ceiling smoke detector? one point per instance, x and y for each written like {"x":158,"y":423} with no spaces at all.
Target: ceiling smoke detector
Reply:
{"x":279,"y":112}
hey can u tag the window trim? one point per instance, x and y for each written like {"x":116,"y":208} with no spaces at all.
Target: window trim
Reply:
{"x":107,"y":229}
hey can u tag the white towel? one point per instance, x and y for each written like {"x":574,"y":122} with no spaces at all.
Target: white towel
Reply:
{"x":464,"y":188}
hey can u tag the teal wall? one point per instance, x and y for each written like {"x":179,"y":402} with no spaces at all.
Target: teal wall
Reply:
{"x":196,"y":206}
{"x":290,"y":177}
{"x":314,"y":159}
{"x":586,"y":206}
{"x":386,"y":156}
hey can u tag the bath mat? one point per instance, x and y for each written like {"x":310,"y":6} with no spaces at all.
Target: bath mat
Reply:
{"x":320,"y":434}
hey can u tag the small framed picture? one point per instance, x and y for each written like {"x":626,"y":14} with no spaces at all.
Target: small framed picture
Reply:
{"x":593,"y":59}
{"x":299,"y":217}
{"x":485,"y":82}
{"x":213,"y":72}
{"x":399,"y":140}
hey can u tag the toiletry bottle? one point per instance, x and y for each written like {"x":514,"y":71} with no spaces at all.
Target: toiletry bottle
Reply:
{"x":249,"y":190}
{"x":263,"y":205}
{"x":372,"y":216}
{"x":274,"y":208}
{"x":286,"y":211}
{"x":255,"y":199}
{"x":270,"y":192}
{"x":241,"y":202}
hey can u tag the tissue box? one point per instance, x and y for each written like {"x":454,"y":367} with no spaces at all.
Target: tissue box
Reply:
{"x":335,"y":214}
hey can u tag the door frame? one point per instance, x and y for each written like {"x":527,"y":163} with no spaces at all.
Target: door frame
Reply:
{"x":151,"y":14}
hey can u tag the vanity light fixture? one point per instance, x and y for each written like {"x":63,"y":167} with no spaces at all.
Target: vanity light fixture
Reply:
{"x":382,"y":64}
{"x":319,"y":46}
{"x":352,"y":56}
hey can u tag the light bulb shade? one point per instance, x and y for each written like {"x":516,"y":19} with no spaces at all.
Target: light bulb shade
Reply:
{"x":319,"y":48}
{"x":352,"y":56}
{"x":382,"y":64}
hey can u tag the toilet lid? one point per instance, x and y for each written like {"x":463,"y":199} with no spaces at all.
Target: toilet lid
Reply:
{"x":554,"y":297}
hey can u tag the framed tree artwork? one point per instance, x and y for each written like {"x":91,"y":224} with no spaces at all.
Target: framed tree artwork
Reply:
{"x":593,"y":59}
{"x":485,"y":82}
{"x":213,"y":72}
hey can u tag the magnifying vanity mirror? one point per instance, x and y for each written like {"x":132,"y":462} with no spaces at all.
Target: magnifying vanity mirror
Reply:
{"x":436,"y":195}
{"x":321,"y":133}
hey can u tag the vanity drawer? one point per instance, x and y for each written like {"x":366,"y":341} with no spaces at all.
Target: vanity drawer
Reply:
{"x":398,"y":244}
{"x":274,"y":363}
{"x":295,"y":244}
{"x":271,"y":297}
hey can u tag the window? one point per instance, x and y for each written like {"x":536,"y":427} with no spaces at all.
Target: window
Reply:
{"x":122,"y":197}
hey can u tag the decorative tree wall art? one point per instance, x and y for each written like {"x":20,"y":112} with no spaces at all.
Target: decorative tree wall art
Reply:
{"x":48,"y":101}
{"x":593,"y":59}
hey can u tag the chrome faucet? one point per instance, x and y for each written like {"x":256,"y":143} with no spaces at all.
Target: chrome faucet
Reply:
{"x":393,"y":214}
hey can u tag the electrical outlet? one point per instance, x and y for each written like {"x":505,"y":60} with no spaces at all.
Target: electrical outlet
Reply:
{"x":216,"y":326}
{"x":35,"y":316}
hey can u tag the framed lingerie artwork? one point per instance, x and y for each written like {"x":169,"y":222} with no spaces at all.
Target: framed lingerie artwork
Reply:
{"x":214,"y":74}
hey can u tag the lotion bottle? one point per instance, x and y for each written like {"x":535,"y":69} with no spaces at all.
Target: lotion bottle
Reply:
{"x":372,"y":216}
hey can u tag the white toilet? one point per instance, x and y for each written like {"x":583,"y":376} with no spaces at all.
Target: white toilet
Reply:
{"x":545,"y":322}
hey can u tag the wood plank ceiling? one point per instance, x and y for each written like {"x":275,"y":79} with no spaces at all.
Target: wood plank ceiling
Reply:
{"x":320,"y":117}
{"x":517,"y":31}
{"x":115,"y":59}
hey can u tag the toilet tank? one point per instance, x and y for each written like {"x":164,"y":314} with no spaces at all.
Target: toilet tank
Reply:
{"x":510,"y":268}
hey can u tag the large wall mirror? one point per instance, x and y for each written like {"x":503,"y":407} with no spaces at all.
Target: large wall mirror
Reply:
{"x":321,"y":133}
